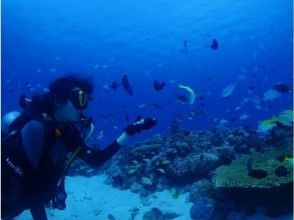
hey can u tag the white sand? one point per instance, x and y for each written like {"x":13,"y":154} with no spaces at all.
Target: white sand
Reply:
{"x":91,"y":198}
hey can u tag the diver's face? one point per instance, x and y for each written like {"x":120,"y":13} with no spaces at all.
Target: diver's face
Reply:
{"x":67,"y":112}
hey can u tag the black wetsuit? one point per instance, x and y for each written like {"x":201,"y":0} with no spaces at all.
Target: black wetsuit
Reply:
{"x":42,"y":162}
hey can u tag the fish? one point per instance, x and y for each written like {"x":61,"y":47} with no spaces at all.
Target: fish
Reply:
{"x":214,"y":44}
{"x":113,"y":85}
{"x":270,"y":95}
{"x":223,"y":121}
{"x":191,"y":93}
{"x":158,"y":85}
{"x":255,"y":173}
{"x":142,"y":105}
{"x":182,"y":98}
{"x":244,"y":117}
{"x":228,"y":90}
{"x":161,"y":170}
{"x":126,"y":85}
{"x":282,"y":88}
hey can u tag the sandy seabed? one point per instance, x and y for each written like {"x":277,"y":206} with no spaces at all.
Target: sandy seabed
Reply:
{"x":92,"y":199}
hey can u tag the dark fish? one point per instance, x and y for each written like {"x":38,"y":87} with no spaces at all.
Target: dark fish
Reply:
{"x":282,"y":88}
{"x":158,"y":85}
{"x":281,"y":171}
{"x":113,"y":85}
{"x":126,"y":85}
{"x":214,"y":44}
{"x":255,"y":173}
{"x":182,"y":98}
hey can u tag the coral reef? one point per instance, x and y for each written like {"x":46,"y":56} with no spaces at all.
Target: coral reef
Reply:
{"x":274,"y":192}
{"x":203,"y":208}
{"x":199,"y":189}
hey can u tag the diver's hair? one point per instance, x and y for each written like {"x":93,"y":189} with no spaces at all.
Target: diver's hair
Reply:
{"x":37,"y":103}
{"x":62,"y":87}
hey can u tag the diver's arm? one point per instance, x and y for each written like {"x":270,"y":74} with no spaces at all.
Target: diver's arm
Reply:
{"x":33,"y":141}
{"x":99,"y":156}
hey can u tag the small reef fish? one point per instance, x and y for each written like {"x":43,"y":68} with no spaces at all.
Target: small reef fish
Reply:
{"x":270,"y":94}
{"x":228,"y":90}
{"x":255,"y":173}
{"x":142,"y":105}
{"x":158,"y":85}
{"x":243,"y":117}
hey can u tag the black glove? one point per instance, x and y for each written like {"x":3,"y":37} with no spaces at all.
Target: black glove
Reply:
{"x":140,"y":125}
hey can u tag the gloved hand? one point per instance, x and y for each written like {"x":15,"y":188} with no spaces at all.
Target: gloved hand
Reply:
{"x":139,"y":125}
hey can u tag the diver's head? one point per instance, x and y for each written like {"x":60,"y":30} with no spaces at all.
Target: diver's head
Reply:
{"x":71,"y":95}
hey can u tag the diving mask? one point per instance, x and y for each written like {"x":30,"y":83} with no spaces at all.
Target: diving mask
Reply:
{"x":79,"y":98}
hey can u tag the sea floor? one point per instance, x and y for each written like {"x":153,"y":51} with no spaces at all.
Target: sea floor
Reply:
{"x":92,"y":199}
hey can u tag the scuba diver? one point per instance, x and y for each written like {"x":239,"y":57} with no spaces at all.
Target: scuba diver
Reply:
{"x":40,"y":143}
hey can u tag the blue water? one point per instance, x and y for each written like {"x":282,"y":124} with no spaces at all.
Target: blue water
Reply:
{"x":42,"y":40}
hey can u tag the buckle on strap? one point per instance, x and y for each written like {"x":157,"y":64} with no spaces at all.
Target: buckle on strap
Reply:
{"x":16,"y":169}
